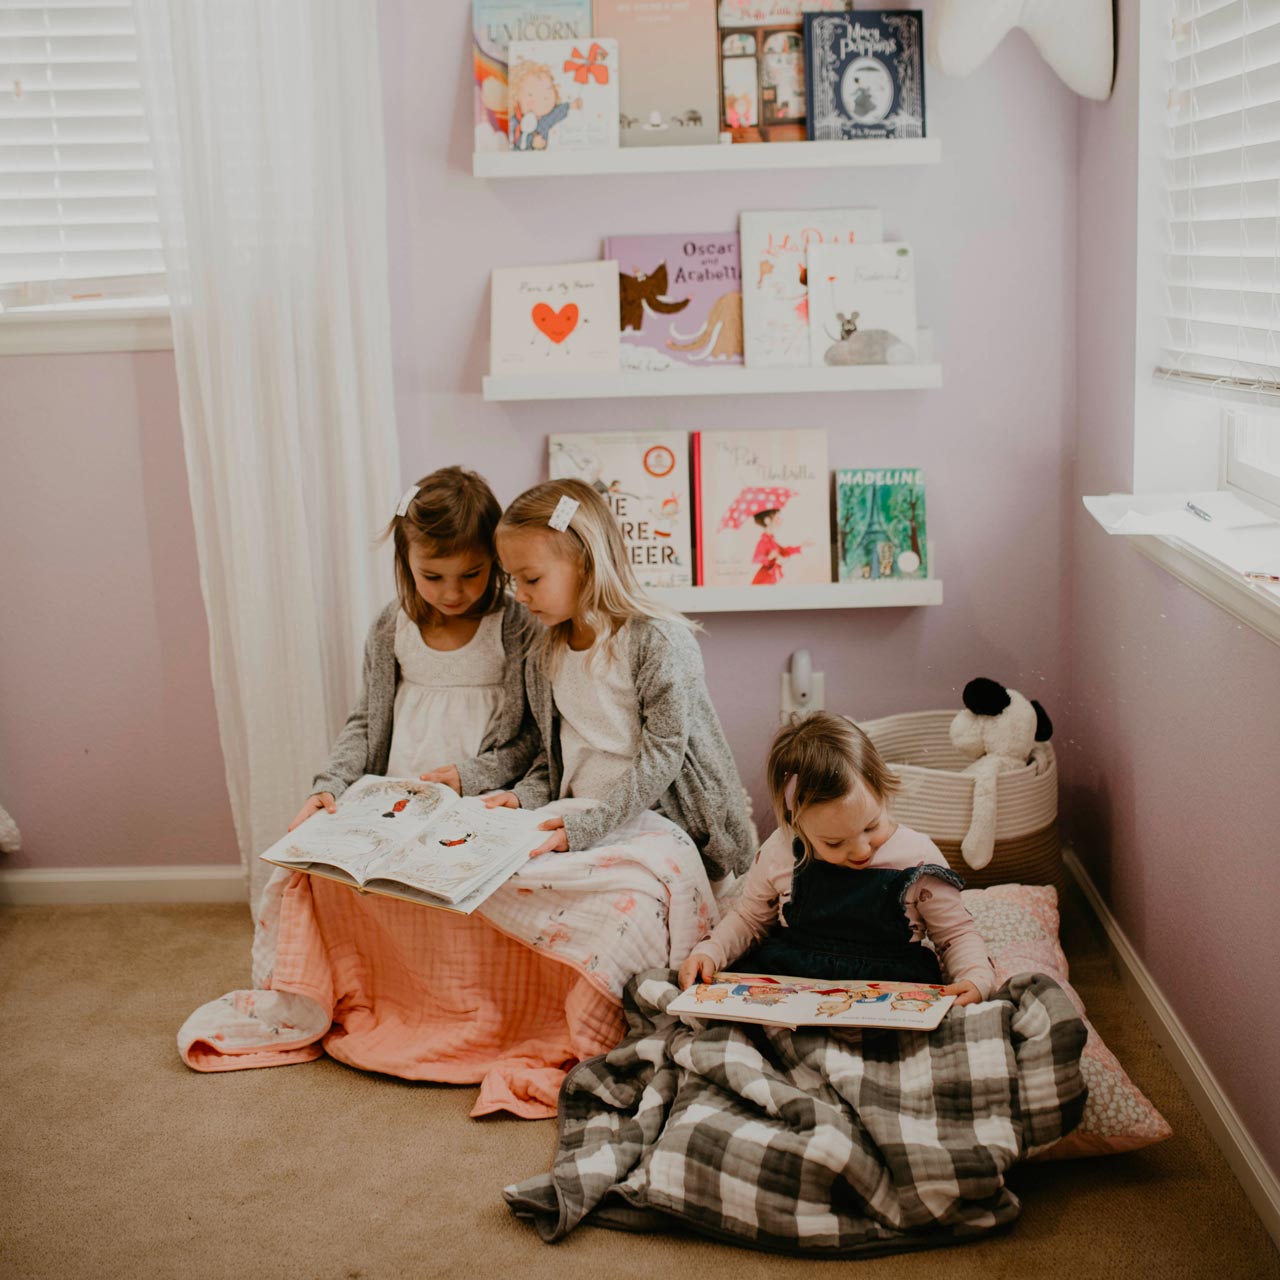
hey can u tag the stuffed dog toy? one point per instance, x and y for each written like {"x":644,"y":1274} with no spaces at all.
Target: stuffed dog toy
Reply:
{"x":999,"y":731}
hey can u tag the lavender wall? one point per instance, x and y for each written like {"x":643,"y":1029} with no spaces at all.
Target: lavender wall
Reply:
{"x":109,"y":750}
{"x":994,"y":232}
{"x":1170,"y":739}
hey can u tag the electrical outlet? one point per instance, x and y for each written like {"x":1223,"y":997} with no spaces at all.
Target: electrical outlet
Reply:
{"x":816,"y":701}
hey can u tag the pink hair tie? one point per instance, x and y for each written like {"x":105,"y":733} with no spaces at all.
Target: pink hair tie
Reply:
{"x":789,"y":794}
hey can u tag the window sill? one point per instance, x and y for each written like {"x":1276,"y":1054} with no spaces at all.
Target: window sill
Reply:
{"x":59,"y":333}
{"x":1256,"y":606}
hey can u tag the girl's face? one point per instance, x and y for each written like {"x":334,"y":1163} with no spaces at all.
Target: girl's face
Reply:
{"x":848,"y":831}
{"x":546,"y":581}
{"x":449,"y":584}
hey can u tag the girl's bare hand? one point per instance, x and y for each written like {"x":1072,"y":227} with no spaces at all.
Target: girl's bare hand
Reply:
{"x":699,"y":967}
{"x":964,"y":992}
{"x":558,"y":843}
{"x":321,"y":800}
{"x":501,"y":800}
{"x":448,"y":775}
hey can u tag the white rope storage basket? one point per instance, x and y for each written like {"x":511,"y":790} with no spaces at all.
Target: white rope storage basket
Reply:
{"x":936,"y":798}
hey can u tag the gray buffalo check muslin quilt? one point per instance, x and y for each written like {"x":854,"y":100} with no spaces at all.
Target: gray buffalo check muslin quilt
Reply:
{"x":810,"y":1141}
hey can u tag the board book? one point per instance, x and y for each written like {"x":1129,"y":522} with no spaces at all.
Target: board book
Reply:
{"x":644,"y":477}
{"x":413,"y":840}
{"x":563,"y":95}
{"x":775,"y":1001}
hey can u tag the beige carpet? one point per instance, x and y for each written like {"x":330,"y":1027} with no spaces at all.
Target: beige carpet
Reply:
{"x":115,"y":1160}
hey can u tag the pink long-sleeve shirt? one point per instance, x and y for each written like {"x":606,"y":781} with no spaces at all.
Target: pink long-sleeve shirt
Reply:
{"x":933,"y":907}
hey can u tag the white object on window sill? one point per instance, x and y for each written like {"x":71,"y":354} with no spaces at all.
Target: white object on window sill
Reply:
{"x":1212,"y":561}
{"x":88,"y":329}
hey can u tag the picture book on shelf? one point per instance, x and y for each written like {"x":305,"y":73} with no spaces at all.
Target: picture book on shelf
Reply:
{"x":776,"y":1001}
{"x":414,"y":840}
{"x":864,"y":73}
{"x":880,"y":524}
{"x":775,"y":274}
{"x":862,"y":304}
{"x":558,"y":319}
{"x":762,"y":76}
{"x":762,"y":511}
{"x":563,"y":95}
{"x":680,"y":300}
{"x":644,"y":477}
{"x":669,"y":87}
{"x":494,"y":25}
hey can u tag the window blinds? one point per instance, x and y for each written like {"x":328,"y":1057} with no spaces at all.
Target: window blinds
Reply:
{"x":1223,"y":249}
{"x":78,"y":213}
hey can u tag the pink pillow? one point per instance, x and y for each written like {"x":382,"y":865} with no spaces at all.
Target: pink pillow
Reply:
{"x":1020,"y":925}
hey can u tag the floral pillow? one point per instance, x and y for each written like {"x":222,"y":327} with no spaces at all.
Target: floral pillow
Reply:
{"x":1020,"y":925}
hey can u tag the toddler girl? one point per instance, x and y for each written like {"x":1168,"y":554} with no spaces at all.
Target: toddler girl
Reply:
{"x":840,"y":892}
{"x":443,"y":688}
{"x":620,"y":709}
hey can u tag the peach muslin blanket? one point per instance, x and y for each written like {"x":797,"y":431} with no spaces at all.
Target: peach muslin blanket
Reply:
{"x":509,"y":997}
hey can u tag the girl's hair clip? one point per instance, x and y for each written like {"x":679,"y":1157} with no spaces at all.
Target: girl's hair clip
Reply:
{"x":565,"y":510}
{"x":789,"y":794}
{"x":402,"y":507}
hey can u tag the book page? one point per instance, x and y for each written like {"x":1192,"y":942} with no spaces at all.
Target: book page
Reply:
{"x":803,"y":1002}
{"x":374,"y":817}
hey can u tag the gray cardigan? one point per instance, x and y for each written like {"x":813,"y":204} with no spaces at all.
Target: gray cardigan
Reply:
{"x":364,"y":745}
{"x":683,"y":766}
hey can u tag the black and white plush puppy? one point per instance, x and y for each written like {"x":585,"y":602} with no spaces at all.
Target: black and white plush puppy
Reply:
{"x":999,"y":731}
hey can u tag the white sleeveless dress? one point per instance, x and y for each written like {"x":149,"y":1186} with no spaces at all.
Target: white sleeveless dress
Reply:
{"x":446,"y":699}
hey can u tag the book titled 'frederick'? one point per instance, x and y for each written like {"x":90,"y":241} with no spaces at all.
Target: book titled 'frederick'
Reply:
{"x":864,"y":73}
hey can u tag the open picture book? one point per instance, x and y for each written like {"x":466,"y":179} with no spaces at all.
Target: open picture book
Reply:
{"x":804,"y":1002}
{"x":413,"y":840}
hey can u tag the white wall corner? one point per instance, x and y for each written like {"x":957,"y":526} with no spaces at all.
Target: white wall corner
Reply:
{"x":1256,"y":1177}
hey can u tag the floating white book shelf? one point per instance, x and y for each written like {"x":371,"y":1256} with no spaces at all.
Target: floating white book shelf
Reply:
{"x":889,"y":593}
{"x":736,"y":380}
{"x":860,"y":153}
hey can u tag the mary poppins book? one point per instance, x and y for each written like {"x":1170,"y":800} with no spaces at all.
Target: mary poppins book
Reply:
{"x":864,"y":74}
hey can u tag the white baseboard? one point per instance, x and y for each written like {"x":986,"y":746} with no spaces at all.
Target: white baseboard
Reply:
{"x":80,"y":886}
{"x":1247,"y":1163}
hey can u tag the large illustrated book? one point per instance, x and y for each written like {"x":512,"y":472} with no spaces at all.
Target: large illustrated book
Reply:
{"x":494,"y":25}
{"x":413,"y":840}
{"x":777,"y":1001}
{"x":563,"y":95}
{"x":862,"y":304}
{"x":762,"y":68}
{"x":865,"y":74}
{"x":669,"y":87}
{"x":880,"y":524}
{"x":680,"y":299}
{"x":644,"y":477}
{"x":763,"y":508}
{"x":775,"y":274}
{"x":556,"y":319}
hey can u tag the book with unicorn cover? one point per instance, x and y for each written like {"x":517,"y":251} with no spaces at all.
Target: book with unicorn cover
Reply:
{"x":414,"y":840}
{"x":680,"y":300}
{"x":776,"y":1001}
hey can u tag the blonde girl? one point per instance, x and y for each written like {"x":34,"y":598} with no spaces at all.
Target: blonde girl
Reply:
{"x":620,"y":713}
{"x":841,"y":892}
{"x":443,"y":689}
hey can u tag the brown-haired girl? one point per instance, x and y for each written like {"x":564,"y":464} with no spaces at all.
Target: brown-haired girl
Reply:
{"x":443,"y":688}
{"x":840,"y":892}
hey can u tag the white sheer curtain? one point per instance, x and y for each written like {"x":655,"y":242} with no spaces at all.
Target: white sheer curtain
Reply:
{"x":266,"y":117}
